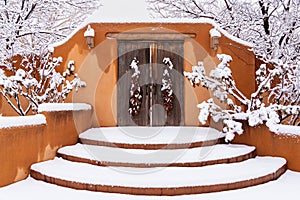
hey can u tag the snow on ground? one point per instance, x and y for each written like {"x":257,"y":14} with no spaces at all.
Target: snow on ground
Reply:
{"x":52,"y":107}
{"x":286,"y":187}
{"x":15,"y":121}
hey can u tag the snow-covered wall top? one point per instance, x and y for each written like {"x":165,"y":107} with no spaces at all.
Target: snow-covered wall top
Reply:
{"x":285,"y":129}
{"x":135,"y":11}
{"x":17,"y":121}
{"x":52,"y":107}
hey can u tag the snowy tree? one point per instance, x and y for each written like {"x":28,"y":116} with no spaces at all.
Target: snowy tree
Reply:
{"x":29,"y":26}
{"x":38,"y":82}
{"x":136,"y":94}
{"x":273,"y":27}
{"x":28,"y":70}
{"x":166,"y":89}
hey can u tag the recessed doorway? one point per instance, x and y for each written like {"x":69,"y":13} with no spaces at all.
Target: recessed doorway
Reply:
{"x":159,"y":99}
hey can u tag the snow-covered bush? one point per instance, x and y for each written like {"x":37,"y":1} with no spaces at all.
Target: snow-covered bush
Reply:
{"x":37,"y":80}
{"x":283,"y":97}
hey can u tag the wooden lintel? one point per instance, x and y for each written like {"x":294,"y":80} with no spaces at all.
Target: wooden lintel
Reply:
{"x":150,"y":36}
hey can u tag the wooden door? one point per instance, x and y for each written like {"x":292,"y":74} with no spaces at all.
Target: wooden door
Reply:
{"x":174,"y":51}
{"x":150,"y":56}
{"x":127,"y":51}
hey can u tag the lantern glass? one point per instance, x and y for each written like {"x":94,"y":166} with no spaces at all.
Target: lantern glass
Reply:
{"x":90,"y":41}
{"x":214,"y":42}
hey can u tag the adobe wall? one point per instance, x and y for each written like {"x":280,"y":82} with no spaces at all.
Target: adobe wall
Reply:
{"x":23,"y":146}
{"x":270,"y":144}
{"x":99,"y":66}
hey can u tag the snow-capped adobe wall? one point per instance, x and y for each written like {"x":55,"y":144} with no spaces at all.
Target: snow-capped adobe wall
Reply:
{"x":22,"y":121}
{"x":284,"y":144}
{"x":52,"y":107}
{"x":30,"y":139}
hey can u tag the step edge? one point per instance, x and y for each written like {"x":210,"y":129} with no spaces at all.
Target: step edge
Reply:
{"x":220,"y":140}
{"x":235,"y":159}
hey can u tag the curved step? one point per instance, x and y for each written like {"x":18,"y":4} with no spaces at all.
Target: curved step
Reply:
{"x":160,"y":181}
{"x":152,"y":137}
{"x":196,"y":157}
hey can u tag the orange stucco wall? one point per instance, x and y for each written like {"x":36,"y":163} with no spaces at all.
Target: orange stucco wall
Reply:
{"x":270,"y":144}
{"x":23,"y":146}
{"x":99,"y":66}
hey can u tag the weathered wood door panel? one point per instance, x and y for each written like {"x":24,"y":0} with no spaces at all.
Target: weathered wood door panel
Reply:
{"x":174,"y":51}
{"x":150,"y":56}
{"x":127,"y":51}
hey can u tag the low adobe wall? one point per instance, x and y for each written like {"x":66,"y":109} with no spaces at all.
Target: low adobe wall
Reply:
{"x":268,"y":143}
{"x":20,"y":147}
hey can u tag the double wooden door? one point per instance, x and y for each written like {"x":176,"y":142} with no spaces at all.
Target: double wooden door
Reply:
{"x":150,"y":56}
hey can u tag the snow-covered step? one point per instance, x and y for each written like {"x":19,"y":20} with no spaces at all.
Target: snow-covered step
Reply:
{"x":152,"y":137}
{"x":195,"y":157}
{"x":160,"y":181}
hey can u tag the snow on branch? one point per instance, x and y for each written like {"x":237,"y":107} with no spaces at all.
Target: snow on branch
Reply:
{"x":272,"y":26}
{"x":30,"y":26}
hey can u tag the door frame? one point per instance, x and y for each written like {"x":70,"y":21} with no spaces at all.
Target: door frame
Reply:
{"x":154,"y":51}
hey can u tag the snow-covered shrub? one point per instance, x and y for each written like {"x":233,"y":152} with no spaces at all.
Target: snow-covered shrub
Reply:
{"x":280,"y":84}
{"x":37,"y":80}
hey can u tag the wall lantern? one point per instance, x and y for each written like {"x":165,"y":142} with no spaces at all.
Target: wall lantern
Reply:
{"x":89,"y":36}
{"x":214,"y":38}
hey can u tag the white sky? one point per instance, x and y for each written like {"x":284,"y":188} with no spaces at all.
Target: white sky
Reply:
{"x":122,"y":10}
